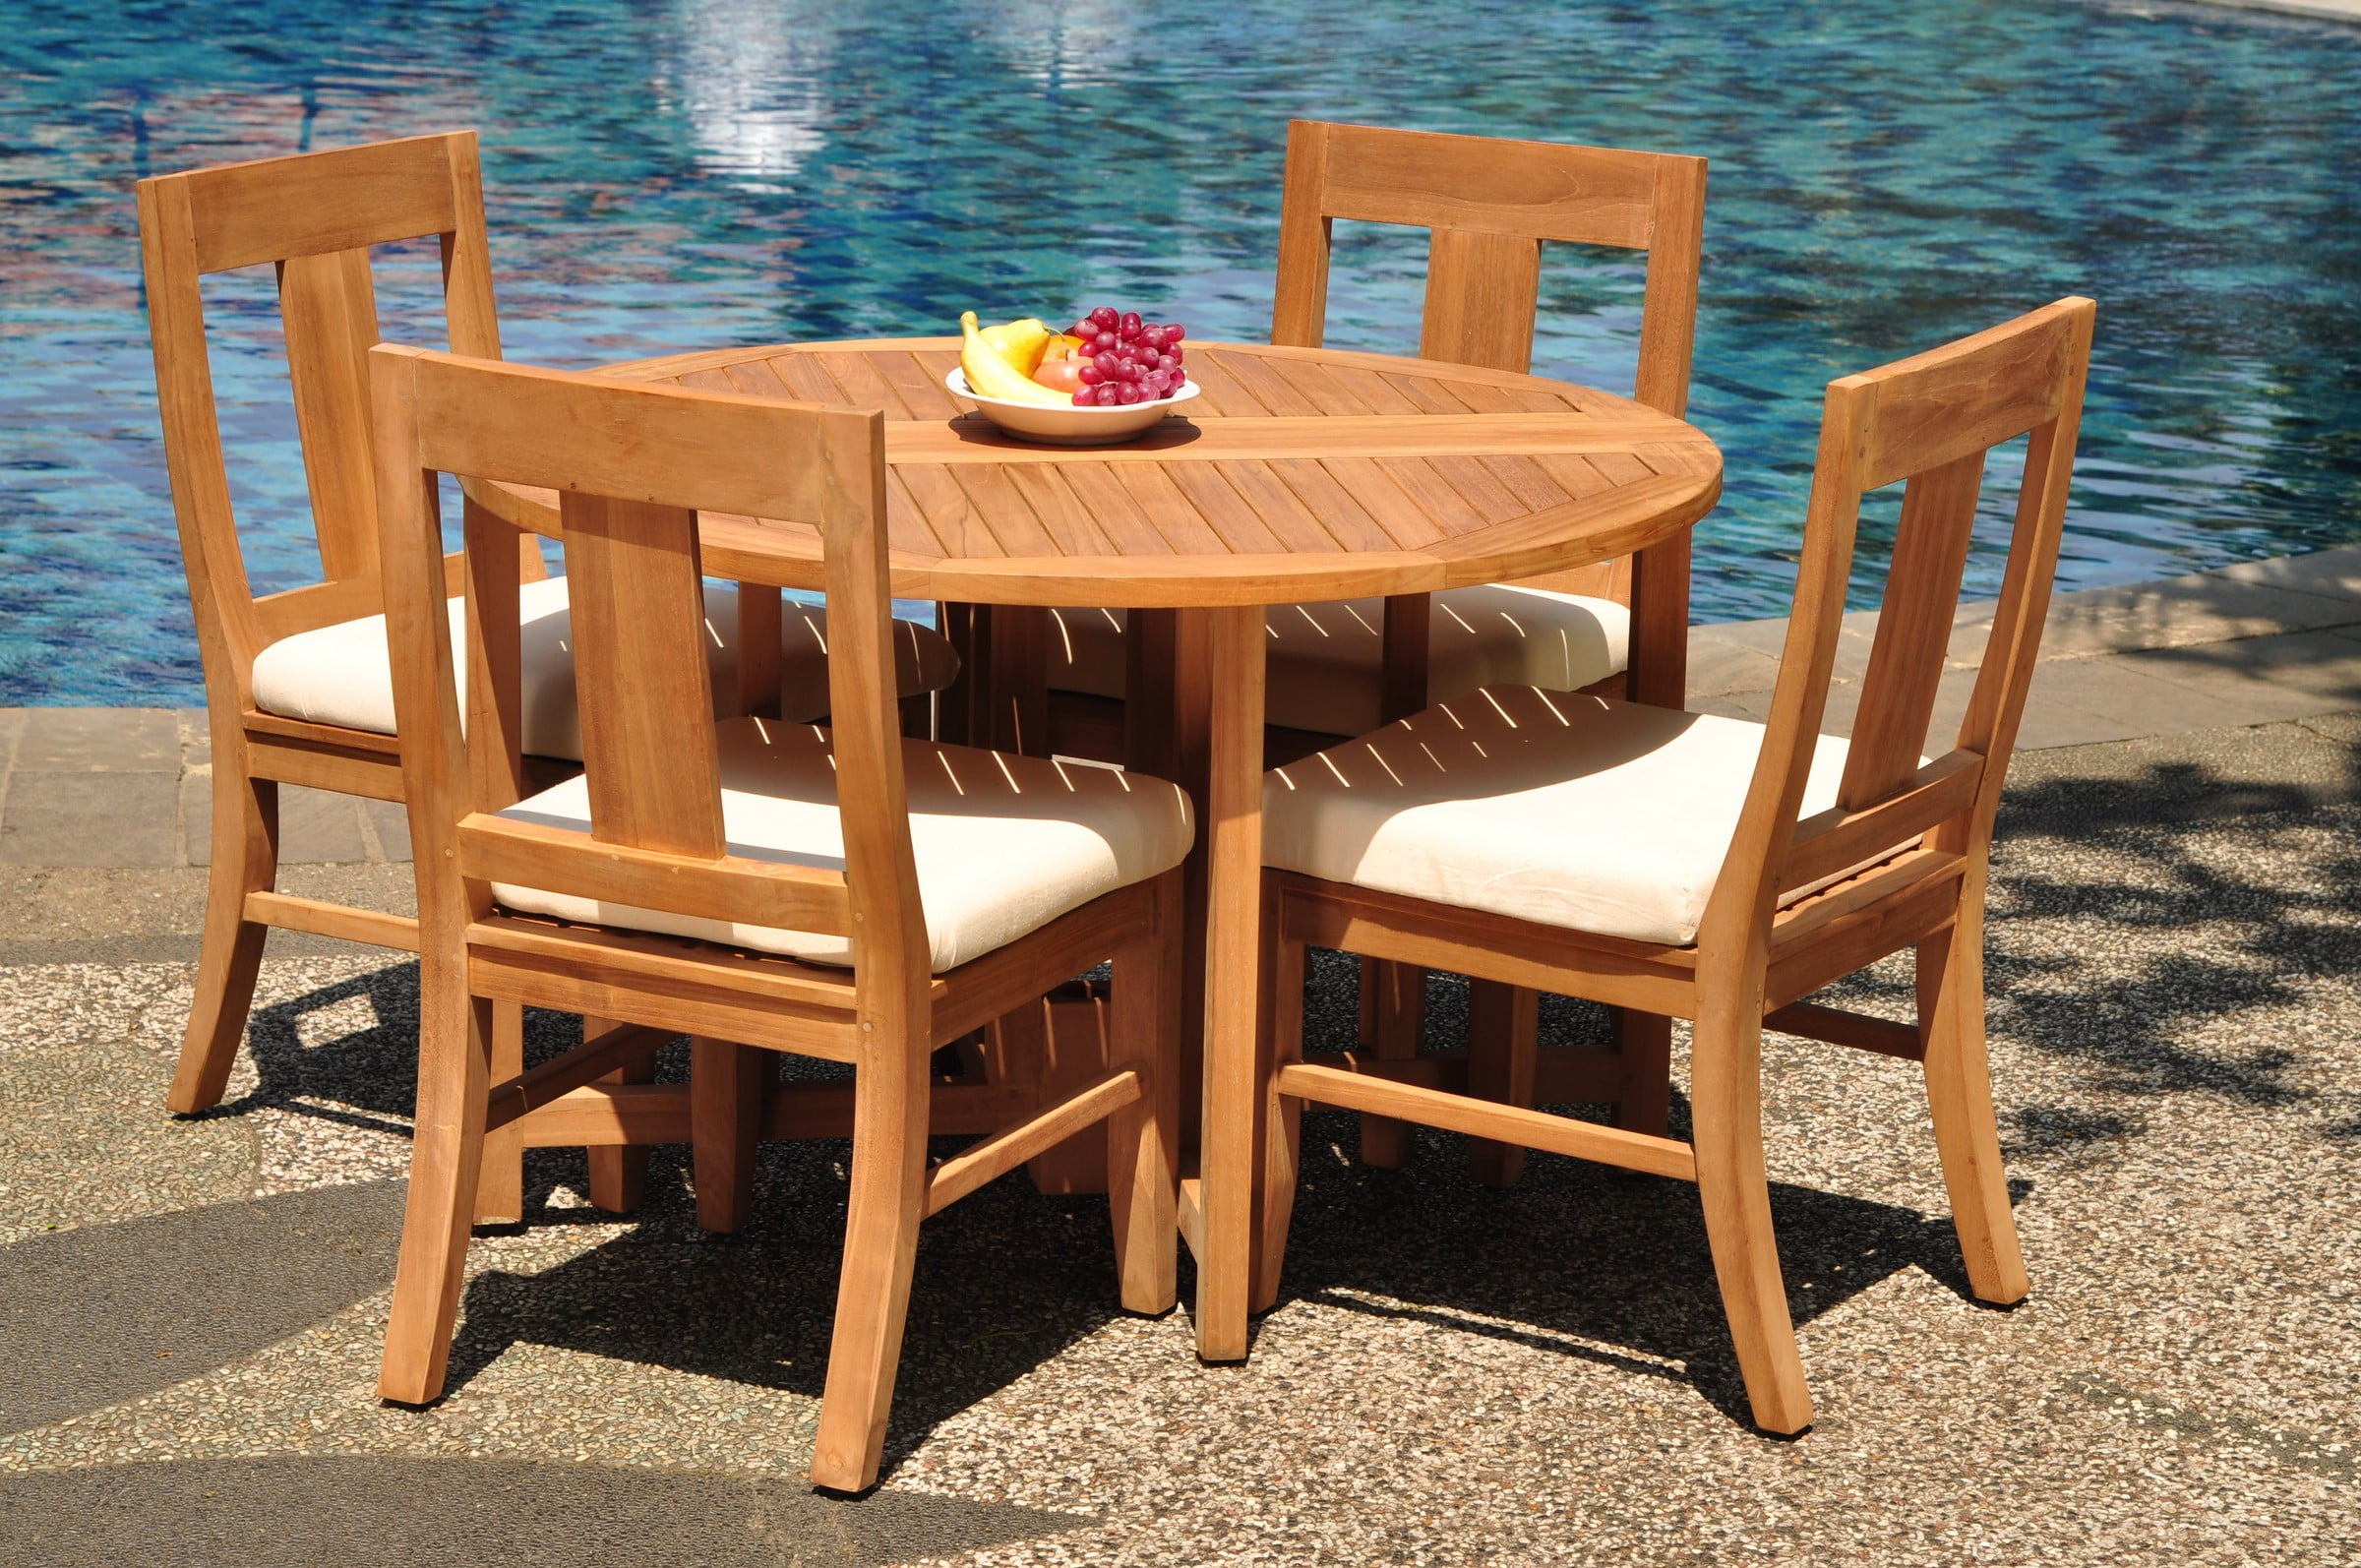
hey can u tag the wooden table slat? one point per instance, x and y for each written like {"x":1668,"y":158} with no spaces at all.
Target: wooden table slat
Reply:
{"x":1265,"y":381}
{"x":1171,"y":511}
{"x":1377,"y":486}
{"x":1209,"y":490}
{"x":1528,"y":481}
{"x":1334,"y":505}
{"x":861,"y":385}
{"x":805,"y":377}
{"x":993,"y":499}
{"x":1432,"y":394}
{"x":1059,"y":511}
{"x":1476,"y":485}
{"x":1574,"y":474}
{"x":1380,"y":395}
{"x":1309,"y":380}
{"x":1117,"y":516}
{"x":1434,"y":494}
{"x":757,"y":379}
{"x":1282,"y":510}
{"x":1218,"y":391}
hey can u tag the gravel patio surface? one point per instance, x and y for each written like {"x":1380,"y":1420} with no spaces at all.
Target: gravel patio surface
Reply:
{"x":190,"y":1310}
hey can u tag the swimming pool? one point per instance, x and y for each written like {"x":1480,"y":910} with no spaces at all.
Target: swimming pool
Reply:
{"x":691,"y":174}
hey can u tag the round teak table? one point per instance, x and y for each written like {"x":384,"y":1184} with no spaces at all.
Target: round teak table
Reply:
{"x":1297,"y":474}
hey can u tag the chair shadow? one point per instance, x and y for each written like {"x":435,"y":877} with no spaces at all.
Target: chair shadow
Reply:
{"x":1005,"y":1280}
{"x":1600,"y":1265}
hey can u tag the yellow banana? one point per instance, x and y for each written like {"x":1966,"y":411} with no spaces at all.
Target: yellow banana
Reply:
{"x":991,"y":374}
{"x":1020,"y":343}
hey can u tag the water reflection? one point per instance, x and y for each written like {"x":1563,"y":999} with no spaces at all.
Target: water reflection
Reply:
{"x":702,"y":172}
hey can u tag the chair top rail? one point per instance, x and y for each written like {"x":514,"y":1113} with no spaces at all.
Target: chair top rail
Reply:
{"x":1966,"y":396}
{"x":310,"y":203}
{"x":1541,"y":190}
{"x":590,"y":435}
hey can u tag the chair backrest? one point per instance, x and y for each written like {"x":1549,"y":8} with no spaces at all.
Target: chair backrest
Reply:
{"x":1490,"y":202}
{"x":1927,"y":422}
{"x":634,"y":464}
{"x":315,"y":216}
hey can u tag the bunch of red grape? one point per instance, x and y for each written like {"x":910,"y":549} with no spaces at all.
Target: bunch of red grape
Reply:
{"x":1125,"y":360}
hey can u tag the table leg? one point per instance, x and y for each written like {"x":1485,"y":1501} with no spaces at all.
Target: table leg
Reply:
{"x":1167,"y":721}
{"x":1659,"y":674}
{"x":1659,"y":623}
{"x":1232,"y":829}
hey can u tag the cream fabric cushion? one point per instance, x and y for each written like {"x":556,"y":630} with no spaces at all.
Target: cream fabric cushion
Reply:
{"x":1326,"y":669}
{"x":1003,"y":844}
{"x":342,"y":674}
{"x":1574,"y":812}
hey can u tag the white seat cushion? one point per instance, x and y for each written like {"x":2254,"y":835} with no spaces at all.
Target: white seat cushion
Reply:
{"x":1003,"y":844}
{"x":340,"y":674}
{"x":1574,"y":812}
{"x":1326,"y":669}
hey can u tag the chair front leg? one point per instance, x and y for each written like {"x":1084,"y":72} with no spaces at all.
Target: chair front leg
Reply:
{"x":455,"y":1042}
{"x":1959,"y":1095}
{"x":245,"y":860}
{"x":1725,"y":1095}
{"x":881,"y":1244}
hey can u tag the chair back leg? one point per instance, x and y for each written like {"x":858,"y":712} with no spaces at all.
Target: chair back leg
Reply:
{"x":1644,"y":1071}
{"x":1143,"y":1137}
{"x":245,"y":860}
{"x":1504,"y":1029}
{"x":500,"y":1177}
{"x":1397,"y":1024}
{"x":454,"y":1048}
{"x":1280,"y":1118}
{"x":726,"y":1082}
{"x":1726,"y":1108}
{"x":619,"y":1171}
{"x":1959,"y":1095}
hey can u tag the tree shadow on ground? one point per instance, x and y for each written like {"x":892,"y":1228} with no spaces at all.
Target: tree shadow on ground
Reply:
{"x":2130,"y":912}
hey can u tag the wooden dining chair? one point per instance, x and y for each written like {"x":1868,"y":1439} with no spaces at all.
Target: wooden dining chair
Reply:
{"x":1490,"y":203}
{"x":297,"y":686}
{"x":838,"y":893}
{"x":1707,"y":867}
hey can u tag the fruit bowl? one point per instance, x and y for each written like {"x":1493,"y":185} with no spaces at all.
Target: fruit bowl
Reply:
{"x":1060,"y":425}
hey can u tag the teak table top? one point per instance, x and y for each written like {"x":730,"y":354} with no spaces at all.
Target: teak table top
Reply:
{"x":1297,"y":474}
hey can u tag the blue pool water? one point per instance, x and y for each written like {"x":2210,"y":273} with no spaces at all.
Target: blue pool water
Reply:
{"x":671,"y":174}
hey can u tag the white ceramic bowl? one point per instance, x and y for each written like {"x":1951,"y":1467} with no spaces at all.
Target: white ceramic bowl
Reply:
{"x":1068,"y":426}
